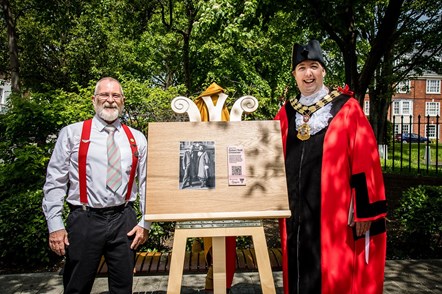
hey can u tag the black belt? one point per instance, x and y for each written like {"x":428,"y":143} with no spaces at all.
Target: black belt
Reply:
{"x":103,"y":210}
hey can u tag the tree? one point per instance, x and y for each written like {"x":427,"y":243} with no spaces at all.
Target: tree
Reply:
{"x":62,"y":44}
{"x":415,"y":49}
{"x":181,"y":25}
{"x":12,"y":36}
{"x":369,"y":35}
{"x":344,"y":22}
{"x":244,"y":46}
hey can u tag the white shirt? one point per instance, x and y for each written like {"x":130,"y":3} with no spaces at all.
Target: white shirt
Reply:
{"x":62,"y":173}
{"x":319,"y":119}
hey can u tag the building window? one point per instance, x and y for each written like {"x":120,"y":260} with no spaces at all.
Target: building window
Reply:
{"x":432,"y":108}
{"x":431,"y":131}
{"x":406,"y":107}
{"x":433,"y":86}
{"x":402,"y":107}
{"x":406,"y":128}
{"x":396,"y":107}
{"x":5,"y":91}
{"x":403,"y":87}
{"x":396,"y":128}
{"x":2,"y":100}
{"x":367,"y":107}
{"x":400,"y":127}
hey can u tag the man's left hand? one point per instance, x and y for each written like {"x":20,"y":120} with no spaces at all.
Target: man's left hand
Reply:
{"x":141,"y":235}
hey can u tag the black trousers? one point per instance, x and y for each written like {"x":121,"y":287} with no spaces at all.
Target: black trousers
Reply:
{"x":91,"y":235}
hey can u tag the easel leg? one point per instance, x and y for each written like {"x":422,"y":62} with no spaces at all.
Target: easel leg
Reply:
{"x":177,"y":262}
{"x":219,"y":264}
{"x":219,"y":256}
{"x":262,"y":258}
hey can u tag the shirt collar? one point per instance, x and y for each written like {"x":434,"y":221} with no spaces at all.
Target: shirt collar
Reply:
{"x":99,"y":123}
{"x":312,"y":99}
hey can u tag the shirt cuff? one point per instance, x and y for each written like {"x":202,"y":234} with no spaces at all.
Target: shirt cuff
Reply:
{"x":144,"y":224}
{"x":55,"y":225}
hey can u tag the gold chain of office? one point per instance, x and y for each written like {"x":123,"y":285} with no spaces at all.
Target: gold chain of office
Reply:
{"x":307,"y":111}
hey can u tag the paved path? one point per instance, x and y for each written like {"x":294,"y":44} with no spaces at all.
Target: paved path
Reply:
{"x":401,"y":277}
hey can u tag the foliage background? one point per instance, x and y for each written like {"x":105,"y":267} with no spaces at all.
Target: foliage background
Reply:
{"x":54,"y":52}
{"x":415,"y":230}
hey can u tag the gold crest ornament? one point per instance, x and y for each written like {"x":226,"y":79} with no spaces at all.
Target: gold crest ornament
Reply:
{"x":307,"y":112}
{"x":304,"y":132}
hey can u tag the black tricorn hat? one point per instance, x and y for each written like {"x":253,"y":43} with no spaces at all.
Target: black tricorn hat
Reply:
{"x":311,"y":51}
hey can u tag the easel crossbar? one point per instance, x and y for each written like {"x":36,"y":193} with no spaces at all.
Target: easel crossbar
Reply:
{"x":218,"y":224}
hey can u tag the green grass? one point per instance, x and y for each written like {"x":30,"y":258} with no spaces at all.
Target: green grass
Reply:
{"x":410,"y":159}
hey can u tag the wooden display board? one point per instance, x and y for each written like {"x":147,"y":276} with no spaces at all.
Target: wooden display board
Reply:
{"x":264,"y":194}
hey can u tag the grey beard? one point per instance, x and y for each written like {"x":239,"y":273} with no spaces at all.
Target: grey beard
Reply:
{"x":108,"y":116}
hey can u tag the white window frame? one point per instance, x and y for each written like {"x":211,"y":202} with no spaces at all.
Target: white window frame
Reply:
{"x":430,"y":131}
{"x":405,"y":128}
{"x":396,"y":107}
{"x":407,"y":107}
{"x":396,"y":128}
{"x":367,"y":107}
{"x":400,"y":128}
{"x":2,"y":99}
{"x":432,"y":108}
{"x":403,"y":87}
{"x":432,"y":86}
{"x":5,"y":91}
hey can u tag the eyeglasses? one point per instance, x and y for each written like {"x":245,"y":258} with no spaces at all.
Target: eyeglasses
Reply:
{"x":104,"y":96}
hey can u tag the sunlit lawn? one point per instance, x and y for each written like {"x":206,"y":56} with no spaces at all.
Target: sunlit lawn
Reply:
{"x":412,"y":158}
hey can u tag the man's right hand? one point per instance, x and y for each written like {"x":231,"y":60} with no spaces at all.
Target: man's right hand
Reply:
{"x":58,"y":241}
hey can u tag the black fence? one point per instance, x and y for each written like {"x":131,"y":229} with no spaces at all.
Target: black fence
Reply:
{"x":413,"y":146}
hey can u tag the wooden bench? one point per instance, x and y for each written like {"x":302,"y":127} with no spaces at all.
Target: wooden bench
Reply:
{"x":158,"y":263}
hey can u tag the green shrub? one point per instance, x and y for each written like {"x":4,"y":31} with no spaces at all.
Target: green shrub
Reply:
{"x":24,"y":234}
{"x":23,"y":231}
{"x":159,"y":233}
{"x":418,"y":231}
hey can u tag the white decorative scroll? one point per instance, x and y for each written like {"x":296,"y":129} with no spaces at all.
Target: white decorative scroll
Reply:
{"x":183,"y":104}
{"x":245,"y":104}
{"x":215,"y":111}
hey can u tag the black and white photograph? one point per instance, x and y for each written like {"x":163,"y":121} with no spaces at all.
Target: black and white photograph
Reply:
{"x":197,"y":165}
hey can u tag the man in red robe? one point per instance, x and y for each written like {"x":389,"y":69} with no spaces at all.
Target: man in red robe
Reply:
{"x":335,"y":241}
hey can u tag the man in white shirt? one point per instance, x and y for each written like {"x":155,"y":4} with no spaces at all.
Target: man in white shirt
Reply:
{"x":102,"y":220}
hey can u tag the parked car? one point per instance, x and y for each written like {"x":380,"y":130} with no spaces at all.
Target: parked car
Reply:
{"x":411,"y":138}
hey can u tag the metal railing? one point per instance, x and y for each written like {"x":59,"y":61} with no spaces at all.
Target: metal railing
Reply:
{"x":417,"y":155}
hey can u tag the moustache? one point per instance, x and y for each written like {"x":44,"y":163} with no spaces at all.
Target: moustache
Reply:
{"x":110,"y":106}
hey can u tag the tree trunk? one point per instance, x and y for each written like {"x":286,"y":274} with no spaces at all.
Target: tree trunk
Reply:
{"x":12,"y":43}
{"x":380,"y":97}
{"x":186,"y":32}
{"x":186,"y":63}
{"x":379,"y":104}
{"x":380,"y":46}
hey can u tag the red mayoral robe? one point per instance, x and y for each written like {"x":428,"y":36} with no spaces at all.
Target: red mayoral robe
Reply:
{"x":333,"y":176}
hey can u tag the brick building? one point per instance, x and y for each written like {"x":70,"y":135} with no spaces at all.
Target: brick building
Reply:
{"x":415,"y":107}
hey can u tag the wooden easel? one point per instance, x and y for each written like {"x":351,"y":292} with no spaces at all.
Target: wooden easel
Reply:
{"x":218,"y":232}
{"x":225,"y":210}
